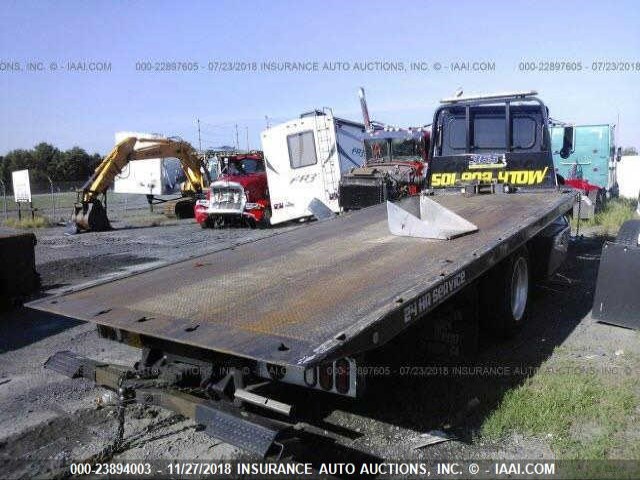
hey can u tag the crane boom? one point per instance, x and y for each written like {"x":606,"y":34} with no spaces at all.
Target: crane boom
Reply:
{"x":90,"y":214}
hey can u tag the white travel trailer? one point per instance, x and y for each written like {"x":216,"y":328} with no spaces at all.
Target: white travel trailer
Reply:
{"x":154,"y":176}
{"x":629,"y":176}
{"x":305,"y":159}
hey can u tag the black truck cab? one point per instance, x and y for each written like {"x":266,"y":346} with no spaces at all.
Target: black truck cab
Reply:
{"x":494,"y":139}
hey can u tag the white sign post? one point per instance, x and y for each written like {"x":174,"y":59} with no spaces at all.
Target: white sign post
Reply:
{"x":21,"y":188}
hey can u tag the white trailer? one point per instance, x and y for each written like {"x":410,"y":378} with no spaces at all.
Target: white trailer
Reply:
{"x":629,"y":176}
{"x":154,"y":176}
{"x":305,"y":159}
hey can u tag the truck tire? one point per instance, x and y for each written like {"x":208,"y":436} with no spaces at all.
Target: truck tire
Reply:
{"x":505,"y":295}
{"x":265,"y":221}
{"x":628,"y":233}
{"x":217,"y":221}
{"x":184,"y":209}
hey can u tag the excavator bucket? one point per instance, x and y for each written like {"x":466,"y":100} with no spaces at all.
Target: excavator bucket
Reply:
{"x":91,"y":217}
{"x":424,"y":218}
{"x":616,"y":300}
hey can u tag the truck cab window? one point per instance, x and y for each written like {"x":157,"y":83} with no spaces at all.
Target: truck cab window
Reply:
{"x":377,"y":150}
{"x":524,"y":132}
{"x":408,"y":150}
{"x":455,"y":136}
{"x":250,"y":165}
{"x":489,"y":133}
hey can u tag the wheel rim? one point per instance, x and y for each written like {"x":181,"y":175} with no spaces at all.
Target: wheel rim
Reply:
{"x":519,"y":288}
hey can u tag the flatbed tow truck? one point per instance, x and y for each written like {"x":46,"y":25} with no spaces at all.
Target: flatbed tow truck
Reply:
{"x":308,"y":306}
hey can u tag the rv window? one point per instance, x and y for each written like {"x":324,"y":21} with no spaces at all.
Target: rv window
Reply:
{"x":302,"y":149}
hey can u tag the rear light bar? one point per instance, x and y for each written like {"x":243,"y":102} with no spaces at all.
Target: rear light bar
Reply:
{"x":342,"y":375}
{"x":326,"y":376}
{"x":337,"y":377}
{"x":311,"y":377}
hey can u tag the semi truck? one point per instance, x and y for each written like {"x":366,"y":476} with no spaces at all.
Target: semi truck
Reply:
{"x":239,"y":195}
{"x":590,"y":165}
{"x":394,"y":166}
{"x":311,"y":306}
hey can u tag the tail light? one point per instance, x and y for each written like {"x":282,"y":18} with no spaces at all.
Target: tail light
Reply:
{"x":326,"y":376}
{"x":311,"y":377}
{"x":342,"y":375}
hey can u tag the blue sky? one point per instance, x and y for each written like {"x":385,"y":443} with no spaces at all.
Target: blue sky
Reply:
{"x":86,"y":108}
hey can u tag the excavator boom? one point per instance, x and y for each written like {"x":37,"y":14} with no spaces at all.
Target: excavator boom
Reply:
{"x":90,"y":214}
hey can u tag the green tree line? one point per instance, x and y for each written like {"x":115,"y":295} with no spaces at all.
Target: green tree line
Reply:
{"x":45,"y":160}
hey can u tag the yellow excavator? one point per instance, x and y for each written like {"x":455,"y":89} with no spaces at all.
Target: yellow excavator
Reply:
{"x":91,"y":215}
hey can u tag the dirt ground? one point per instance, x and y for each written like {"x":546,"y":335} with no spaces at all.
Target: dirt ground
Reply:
{"x":51,"y":420}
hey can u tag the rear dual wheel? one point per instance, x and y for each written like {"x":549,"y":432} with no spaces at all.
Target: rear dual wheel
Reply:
{"x":505,"y":295}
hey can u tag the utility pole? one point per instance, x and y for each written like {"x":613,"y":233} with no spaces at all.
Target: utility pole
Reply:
{"x":247,"y":131}
{"x":237,"y":139}
{"x":199,"y":137}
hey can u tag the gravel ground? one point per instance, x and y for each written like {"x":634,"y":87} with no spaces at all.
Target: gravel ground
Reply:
{"x":70,"y":259}
{"x":44,"y":415}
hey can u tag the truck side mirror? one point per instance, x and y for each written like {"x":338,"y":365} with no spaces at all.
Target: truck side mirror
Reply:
{"x":619,"y":154}
{"x":567,"y":142}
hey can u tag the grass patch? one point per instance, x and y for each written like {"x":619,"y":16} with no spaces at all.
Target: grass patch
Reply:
{"x":28,"y":222}
{"x":43,"y":201}
{"x":570,"y":407}
{"x":612,"y":216}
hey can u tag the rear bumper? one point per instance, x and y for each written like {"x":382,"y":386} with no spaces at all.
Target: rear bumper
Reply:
{"x":223,"y":418}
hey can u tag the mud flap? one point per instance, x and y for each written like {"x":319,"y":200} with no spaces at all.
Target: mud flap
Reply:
{"x":617,"y":298}
{"x":424,"y":218}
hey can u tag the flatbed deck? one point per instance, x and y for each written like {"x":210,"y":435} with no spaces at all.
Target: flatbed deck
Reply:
{"x":319,"y":292}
